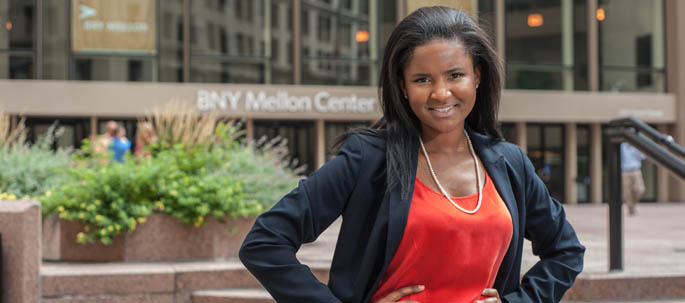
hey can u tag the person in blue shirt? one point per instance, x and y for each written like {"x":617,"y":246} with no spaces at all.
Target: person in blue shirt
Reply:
{"x":631,"y":176}
{"x":120,"y":145}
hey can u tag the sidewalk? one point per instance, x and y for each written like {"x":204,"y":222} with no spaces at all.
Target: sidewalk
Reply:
{"x":654,"y":241}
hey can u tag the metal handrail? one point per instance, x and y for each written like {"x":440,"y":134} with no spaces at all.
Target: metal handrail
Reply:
{"x":660,"y":138}
{"x":646,"y":139}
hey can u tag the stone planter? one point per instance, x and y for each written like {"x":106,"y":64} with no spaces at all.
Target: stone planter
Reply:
{"x":161,"y":238}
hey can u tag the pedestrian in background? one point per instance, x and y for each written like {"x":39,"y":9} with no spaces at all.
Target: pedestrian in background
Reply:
{"x":435,"y":204}
{"x":631,"y":176}
{"x":145,"y":135}
{"x":120,"y":144}
{"x":104,"y":141}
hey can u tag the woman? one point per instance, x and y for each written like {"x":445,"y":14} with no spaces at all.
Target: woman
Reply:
{"x":435,"y":205}
{"x":144,"y":137}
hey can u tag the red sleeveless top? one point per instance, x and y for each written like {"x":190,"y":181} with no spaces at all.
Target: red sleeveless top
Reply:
{"x":454,"y":254}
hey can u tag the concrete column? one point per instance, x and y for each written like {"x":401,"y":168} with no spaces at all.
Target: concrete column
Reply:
{"x":596,"y":163}
{"x":662,"y":174}
{"x":675,"y":60}
{"x":571,"y":164}
{"x":249,"y":131}
{"x":521,"y":138}
{"x":20,"y":226}
{"x":93,"y":128}
{"x":320,"y":143}
{"x":567,"y":43}
{"x":500,"y":31}
{"x":593,"y":46}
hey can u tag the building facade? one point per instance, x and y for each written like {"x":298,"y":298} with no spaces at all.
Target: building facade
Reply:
{"x":306,"y":70}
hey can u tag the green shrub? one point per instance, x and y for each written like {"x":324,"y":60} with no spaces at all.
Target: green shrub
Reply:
{"x":30,"y":170}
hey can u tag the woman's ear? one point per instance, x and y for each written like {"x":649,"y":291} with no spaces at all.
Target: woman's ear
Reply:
{"x":476,"y":73}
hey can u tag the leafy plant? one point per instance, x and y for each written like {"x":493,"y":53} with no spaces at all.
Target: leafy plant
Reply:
{"x":198,"y":168}
{"x":28,"y":171}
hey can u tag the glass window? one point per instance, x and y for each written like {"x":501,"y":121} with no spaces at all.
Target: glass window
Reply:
{"x":583,"y":152}
{"x":299,"y":135}
{"x":540,"y":37}
{"x":171,"y":41}
{"x":16,"y":39}
{"x":340,"y":52}
{"x":508,"y":131}
{"x":17,"y":21}
{"x":16,"y":66}
{"x":546,"y":152}
{"x":486,"y":17}
{"x":114,"y":68}
{"x":243,"y":43}
{"x":210,"y":70}
{"x":71,"y":131}
{"x":335,"y":129}
{"x":631,"y":45}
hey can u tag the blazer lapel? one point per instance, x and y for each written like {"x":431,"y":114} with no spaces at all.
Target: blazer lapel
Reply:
{"x":495,"y":165}
{"x":399,"y":210}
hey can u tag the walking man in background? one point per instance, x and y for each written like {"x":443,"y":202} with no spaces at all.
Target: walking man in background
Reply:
{"x":631,"y":177}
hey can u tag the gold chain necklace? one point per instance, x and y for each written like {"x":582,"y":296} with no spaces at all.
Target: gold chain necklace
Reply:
{"x":444,"y":192}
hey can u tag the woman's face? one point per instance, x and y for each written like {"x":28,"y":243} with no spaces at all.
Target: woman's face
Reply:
{"x":440,"y":84}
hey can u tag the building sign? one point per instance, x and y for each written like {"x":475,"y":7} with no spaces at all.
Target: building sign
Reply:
{"x":282,"y":101}
{"x":114,"y":26}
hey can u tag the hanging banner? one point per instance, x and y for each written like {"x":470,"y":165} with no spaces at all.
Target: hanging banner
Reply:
{"x":114,"y":26}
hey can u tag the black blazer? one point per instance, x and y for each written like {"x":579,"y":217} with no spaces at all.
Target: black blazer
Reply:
{"x":352,"y":185}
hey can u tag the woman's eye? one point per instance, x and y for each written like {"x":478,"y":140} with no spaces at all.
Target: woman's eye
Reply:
{"x":456,"y":75}
{"x":421,"y":80}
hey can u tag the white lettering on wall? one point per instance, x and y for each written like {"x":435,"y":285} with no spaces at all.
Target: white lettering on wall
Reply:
{"x":282,"y":101}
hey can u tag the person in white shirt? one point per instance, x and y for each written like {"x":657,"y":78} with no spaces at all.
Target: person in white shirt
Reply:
{"x":631,"y":176}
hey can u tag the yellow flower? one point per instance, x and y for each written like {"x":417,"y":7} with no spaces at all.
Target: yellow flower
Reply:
{"x":142,"y":220}
{"x":86,"y":228}
{"x":197,"y":224}
{"x":110,"y":228}
{"x":103,"y":232}
{"x":133,"y":224}
{"x":11,"y":197}
{"x":97,"y":202}
{"x":117,"y":227}
{"x":159,"y":205}
{"x":3,"y":196}
{"x":99,"y":218}
{"x":63,"y":214}
{"x":48,"y":193}
{"x":173,"y":192}
{"x":83,"y":205}
{"x":80,"y":238}
{"x":90,"y":207}
{"x":81,"y":215}
{"x":60,"y":208}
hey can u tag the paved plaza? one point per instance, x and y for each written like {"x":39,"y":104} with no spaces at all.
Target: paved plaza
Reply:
{"x":654,"y":241}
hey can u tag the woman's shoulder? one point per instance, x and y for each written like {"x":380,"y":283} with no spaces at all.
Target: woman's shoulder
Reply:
{"x":364,"y":139}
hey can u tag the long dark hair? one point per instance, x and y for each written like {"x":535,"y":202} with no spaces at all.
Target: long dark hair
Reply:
{"x":399,"y":126}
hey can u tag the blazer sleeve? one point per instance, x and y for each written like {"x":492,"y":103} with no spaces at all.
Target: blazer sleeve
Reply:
{"x":269,"y":249}
{"x":553,"y":240}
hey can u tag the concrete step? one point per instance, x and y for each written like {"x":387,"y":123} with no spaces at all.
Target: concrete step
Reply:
{"x":234,"y":295}
{"x":229,"y":281}
{"x":145,"y":282}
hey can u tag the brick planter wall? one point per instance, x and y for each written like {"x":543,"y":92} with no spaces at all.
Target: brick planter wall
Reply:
{"x":161,"y":238}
